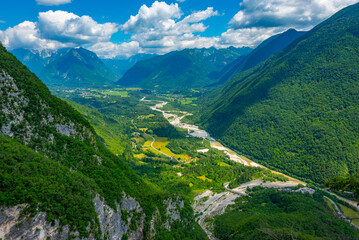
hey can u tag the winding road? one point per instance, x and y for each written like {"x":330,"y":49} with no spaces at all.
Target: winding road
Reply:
{"x":153,"y":141}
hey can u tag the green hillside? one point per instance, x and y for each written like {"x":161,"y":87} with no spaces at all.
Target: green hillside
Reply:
{"x":77,"y":68}
{"x":299,"y":111}
{"x":272,"y":214}
{"x":32,"y":116}
{"x":189,"y":68}
{"x":261,"y":53}
{"x":28,"y":177}
{"x":111,"y":132}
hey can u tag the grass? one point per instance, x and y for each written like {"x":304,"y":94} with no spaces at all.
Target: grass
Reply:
{"x":160,"y":144}
{"x":146,"y":117}
{"x":204,"y":178}
{"x":222,"y":164}
{"x":140,"y":156}
{"x":188,"y":101}
{"x":350,"y":213}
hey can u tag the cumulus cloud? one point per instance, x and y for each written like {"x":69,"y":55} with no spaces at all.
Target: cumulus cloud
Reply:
{"x":56,"y":30}
{"x":161,"y":28}
{"x":148,"y":16}
{"x":52,"y":2}
{"x":302,"y":14}
{"x":249,"y":37}
{"x":68,"y":27}
{"x":26,"y":35}
{"x":260,"y":19}
{"x":112,"y":50}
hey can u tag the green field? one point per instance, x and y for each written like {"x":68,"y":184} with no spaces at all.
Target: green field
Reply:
{"x":350,"y":213}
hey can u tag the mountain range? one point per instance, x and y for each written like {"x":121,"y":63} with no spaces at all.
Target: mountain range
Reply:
{"x":189,"y":68}
{"x":77,"y":68}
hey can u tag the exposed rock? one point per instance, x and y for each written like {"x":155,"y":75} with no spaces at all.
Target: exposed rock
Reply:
{"x":64,"y":129}
{"x":14,"y":226}
{"x":112,"y":223}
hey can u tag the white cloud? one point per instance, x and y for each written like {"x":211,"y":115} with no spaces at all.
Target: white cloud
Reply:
{"x":248,"y":37}
{"x":68,"y":27}
{"x":148,"y":16}
{"x":26,"y":35}
{"x":1,"y":21}
{"x":260,"y":19}
{"x":161,"y":28}
{"x":112,"y":50}
{"x":56,"y":30}
{"x":302,"y":14}
{"x":52,"y":2}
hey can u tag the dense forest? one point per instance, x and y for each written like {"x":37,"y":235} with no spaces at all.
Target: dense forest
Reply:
{"x":65,"y":140}
{"x":298,"y":111}
{"x":273,"y":214}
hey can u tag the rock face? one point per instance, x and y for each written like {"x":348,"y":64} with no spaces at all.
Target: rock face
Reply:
{"x":127,"y":222}
{"x":13,"y":225}
{"x":116,"y":224}
{"x":17,"y":115}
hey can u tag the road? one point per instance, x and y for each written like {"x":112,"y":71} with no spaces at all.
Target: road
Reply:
{"x":340,"y":214}
{"x":153,"y":141}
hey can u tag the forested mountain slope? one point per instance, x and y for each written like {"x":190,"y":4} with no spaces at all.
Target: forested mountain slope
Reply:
{"x":77,"y":68}
{"x":37,"y":60}
{"x":261,"y":53}
{"x":95,"y":193}
{"x":299,"y":111}
{"x":189,"y":68}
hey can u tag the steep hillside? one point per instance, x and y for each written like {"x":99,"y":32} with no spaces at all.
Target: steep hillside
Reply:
{"x":261,"y":53}
{"x":190,"y":68}
{"x":299,"y":111}
{"x":118,"y":203}
{"x":77,"y":68}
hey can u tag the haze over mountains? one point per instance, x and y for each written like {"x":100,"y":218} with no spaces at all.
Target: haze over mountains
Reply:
{"x":189,"y":68}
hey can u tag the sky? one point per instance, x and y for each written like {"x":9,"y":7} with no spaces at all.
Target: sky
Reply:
{"x":120,"y":29}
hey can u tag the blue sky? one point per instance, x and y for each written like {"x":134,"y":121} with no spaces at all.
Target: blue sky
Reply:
{"x":116,"y":28}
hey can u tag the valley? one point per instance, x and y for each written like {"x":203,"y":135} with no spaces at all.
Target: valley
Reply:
{"x":164,"y":127}
{"x":165,"y":158}
{"x":209,"y":204}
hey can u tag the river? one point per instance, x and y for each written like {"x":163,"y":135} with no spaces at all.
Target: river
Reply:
{"x":193,"y":130}
{"x":216,"y":203}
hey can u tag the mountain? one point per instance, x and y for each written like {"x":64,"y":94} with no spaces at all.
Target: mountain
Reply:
{"x":77,"y":68}
{"x":261,"y":53}
{"x":57,"y":181}
{"x":298,"y":112}
{"x":120,"y":66}
{"x":189,"y":68}
{"x":37,"y":60}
